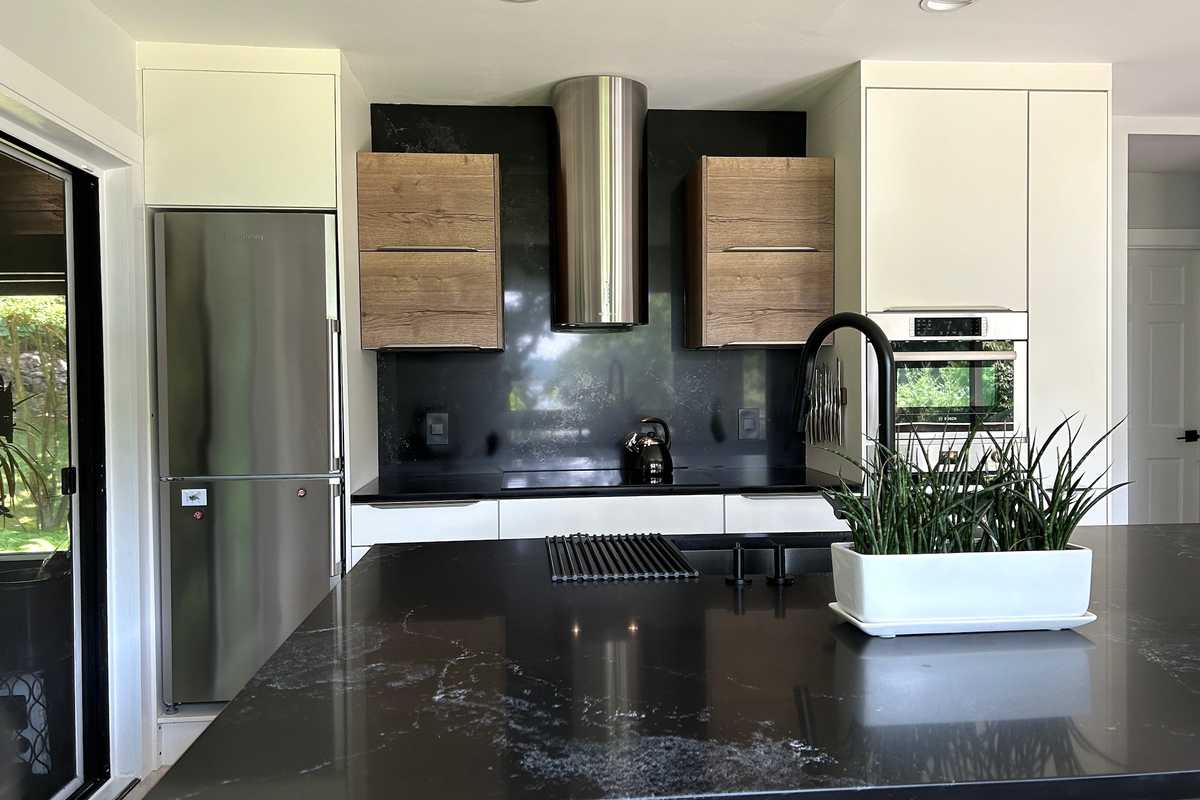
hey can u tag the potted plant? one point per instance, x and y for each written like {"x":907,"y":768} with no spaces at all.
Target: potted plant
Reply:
{"x":942,"y":547}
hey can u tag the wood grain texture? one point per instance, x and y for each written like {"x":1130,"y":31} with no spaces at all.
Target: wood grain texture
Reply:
{"x":769,"y":201}
{"x":427,"y":200}
{"x":430,"y":300}
{"x":32,"y":203}
{"x":766,"y":297}
{"x":758,"y":297}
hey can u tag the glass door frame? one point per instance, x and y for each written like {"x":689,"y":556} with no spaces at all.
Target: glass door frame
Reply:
{"x":84,"y":741}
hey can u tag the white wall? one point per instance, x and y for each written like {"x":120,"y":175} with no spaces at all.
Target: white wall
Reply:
{"x":1164,"y":200}
{"x":362,"y":403}
{"x":78,"y":47}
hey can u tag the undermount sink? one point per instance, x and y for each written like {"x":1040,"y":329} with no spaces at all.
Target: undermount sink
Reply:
{"x":806,"y":553}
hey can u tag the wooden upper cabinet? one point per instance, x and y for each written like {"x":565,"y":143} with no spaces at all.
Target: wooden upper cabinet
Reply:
{"x":429,"y":232}
{"x":427,"y":200}
{"x":760,"y":250}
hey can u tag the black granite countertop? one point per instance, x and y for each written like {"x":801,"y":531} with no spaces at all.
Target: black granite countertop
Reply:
{"x":459,"y":670}
{"x":491,"y":485}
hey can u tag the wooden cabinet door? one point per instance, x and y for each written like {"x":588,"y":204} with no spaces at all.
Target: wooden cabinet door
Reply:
{"x":765,"y":297}
{"x":768,"y":202}
{"x":430,"y":299}
{"x":760,"y":250}
{"x":239,"y":139}
{"x":946,"y":199}
{"x":427,"y":201}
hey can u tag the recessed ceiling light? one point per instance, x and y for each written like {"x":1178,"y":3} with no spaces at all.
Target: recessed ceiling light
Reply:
{"x":944,"y":5}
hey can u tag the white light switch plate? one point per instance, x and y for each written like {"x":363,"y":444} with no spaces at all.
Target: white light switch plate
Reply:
{"x":193,"y":497}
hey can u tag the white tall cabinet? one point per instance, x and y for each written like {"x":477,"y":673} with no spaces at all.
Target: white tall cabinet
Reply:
{"x":980,"y":186}
{"x":1068,"y":262}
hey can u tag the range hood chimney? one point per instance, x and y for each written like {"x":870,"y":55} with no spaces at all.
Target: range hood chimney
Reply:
{"x":601,"y":281}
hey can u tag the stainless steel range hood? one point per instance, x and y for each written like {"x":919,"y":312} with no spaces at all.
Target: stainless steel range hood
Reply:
{"x":601,"y":281}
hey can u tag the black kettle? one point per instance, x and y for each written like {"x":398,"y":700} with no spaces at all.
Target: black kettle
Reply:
{"x":646,"y":455}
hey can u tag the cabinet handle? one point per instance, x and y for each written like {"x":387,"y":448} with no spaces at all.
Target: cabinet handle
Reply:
{"x":775,"y":343}
{"x":429,"y":248}
{"x":780,"y":248}
{"x":443,"y":346}
{"x":780,"y":495}
{"x":957,"y":355}
{"x":425,"y":504}
{"x":934,"y":309}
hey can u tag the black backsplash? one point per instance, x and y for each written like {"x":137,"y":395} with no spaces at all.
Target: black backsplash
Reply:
{"x":563,"y":400}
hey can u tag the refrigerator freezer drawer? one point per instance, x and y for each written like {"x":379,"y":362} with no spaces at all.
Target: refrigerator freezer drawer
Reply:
{"x":243,"y":562}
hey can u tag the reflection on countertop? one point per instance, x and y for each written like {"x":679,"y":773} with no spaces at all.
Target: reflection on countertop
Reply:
{"x":460,"y":670}
{"x":396,"y":486}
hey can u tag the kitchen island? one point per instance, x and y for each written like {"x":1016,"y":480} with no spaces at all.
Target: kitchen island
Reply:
{"x":458,"y":670}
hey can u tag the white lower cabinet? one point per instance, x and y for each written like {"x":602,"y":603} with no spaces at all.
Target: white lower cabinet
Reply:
{"x":451,"y":521}
{"x":671,"y":514}
{"x":774,"y":513}
{"x":535,"y":518}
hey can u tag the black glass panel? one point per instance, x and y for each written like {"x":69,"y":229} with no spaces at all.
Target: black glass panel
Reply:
{"x":555,"y":400}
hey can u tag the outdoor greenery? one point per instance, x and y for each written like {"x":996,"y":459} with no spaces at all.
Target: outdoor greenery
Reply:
{"x":1027,"y":499}
{"x":34,"y":516}
{"x":949,"y":386}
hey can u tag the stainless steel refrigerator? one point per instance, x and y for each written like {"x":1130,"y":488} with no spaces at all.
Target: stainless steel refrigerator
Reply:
{"x":249,"y":449}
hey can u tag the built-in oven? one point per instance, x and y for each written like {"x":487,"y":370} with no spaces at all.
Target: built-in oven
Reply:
{"x":958,"y":372}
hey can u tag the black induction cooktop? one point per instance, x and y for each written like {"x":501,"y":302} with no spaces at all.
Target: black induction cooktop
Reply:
{"x":601,"y":478}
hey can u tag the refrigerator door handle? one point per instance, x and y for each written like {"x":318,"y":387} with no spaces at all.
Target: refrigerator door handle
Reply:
{"x":335,"y":529}
{"x":333,"y":358}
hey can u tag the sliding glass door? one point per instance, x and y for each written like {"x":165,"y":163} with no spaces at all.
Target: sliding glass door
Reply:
{"x":40,"y":612}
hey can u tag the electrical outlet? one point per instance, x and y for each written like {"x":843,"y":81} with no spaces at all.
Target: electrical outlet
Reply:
{"x":437,"y":428}
{"x":751,"y":424}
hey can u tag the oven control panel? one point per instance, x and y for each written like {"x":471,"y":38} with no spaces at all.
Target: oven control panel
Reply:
{"x":948,"y":326}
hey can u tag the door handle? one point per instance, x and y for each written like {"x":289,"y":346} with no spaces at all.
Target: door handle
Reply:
{"x":1189,"y":436}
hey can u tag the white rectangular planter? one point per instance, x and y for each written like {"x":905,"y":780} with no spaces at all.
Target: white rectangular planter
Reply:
{"x":966,"y":587}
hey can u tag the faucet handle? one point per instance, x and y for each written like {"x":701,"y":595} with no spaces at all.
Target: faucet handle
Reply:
{"x":779,"y":576}
{"x":738,"y":578}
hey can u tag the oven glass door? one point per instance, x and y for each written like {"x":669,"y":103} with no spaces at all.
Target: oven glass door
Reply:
{"x":956,"y":386}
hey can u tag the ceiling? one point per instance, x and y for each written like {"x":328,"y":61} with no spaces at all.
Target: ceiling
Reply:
{"x":760,"y":54}
{"x":1155,"y":153}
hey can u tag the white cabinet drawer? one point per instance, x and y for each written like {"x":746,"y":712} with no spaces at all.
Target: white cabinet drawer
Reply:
{"x":773,"y":513}
{"x":423,"y":522}
{"x":561,"y":516}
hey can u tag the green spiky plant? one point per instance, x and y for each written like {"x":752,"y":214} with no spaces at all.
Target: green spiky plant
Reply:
{"x":18,"y":467}
{"x":912,"y":503}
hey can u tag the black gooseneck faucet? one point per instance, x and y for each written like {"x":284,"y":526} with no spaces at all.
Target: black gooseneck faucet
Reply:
{"x":887,"y":371}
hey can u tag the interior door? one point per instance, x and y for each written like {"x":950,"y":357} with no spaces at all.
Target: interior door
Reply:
{"x":40,"y":643}
{"x":1165,"y":385}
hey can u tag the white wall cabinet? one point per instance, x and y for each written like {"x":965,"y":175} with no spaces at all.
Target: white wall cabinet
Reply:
{"x":1068,"y":265}
{"x":946,"y":198}
{"x":672,"y":514}
{"x":239,"y":139}
{"x":774,"y":513}
{"x":423,"y":522}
